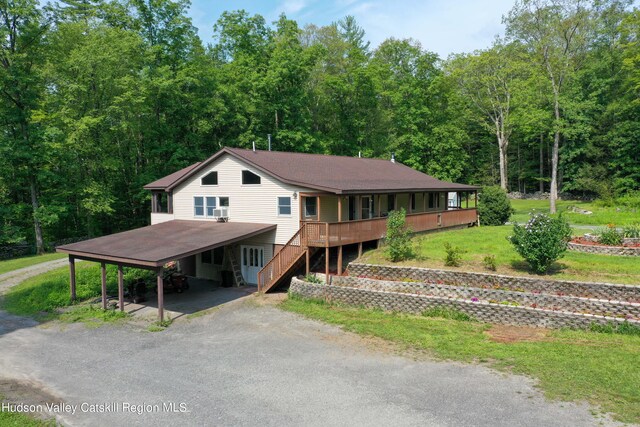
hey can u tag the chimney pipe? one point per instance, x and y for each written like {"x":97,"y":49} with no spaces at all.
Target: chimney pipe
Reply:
{"x":393,"y":157}
{"x":269,"y":138}
{"x":254,"y":146}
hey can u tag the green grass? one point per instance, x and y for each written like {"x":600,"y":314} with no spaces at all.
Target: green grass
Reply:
{"x":570,"y":365}
{"x":27,"y":261}
{"x":93,"y":316}
{"x":479,"y":242}
{"x":602,"y":215}
{"x":42,"y":295}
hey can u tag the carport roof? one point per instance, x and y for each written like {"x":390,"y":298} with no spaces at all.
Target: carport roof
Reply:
{"x":155,"y":245}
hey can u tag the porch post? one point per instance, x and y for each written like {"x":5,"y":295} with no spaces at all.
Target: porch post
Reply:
{"x":358,"y":207}
{"x":326,"y":264}
{"x":160,"y":294}
{"x":72,"y":277}
{"x":339,"y":208}
{"x":340,"y":260}
{"x":318,"y":207}
{"x":120,"y":288}
{"x":466,"y":198}
{"x":307,"y":260}
{"x":103,"y":270}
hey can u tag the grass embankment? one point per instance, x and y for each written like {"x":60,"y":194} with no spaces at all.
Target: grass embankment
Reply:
{"x":601,"y":215}
{"x":479,"y":242}
{"x":570,"y":365}
{"x":27,"y":261}
{"x":42,"y":295}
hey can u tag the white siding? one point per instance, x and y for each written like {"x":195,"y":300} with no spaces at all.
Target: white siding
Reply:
{"x":247,"y":203}
{"x":157,"y":218}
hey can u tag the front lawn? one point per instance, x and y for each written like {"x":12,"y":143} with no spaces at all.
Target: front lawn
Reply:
{"x":479,"y":242}
{"x":601,"y":215}
{"x":569,"y":365}
{"x":27,"y":261}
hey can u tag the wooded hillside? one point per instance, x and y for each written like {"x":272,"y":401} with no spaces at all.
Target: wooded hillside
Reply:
{"x":98,"y":98}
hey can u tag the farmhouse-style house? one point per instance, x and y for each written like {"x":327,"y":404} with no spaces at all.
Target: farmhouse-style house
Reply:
{"x":265,"y":215}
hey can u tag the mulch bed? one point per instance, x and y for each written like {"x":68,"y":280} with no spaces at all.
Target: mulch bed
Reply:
{"x":583,"y":241}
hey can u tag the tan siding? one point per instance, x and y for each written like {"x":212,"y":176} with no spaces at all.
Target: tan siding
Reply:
{"x":329,"y":209}
{"x":247,"y":203}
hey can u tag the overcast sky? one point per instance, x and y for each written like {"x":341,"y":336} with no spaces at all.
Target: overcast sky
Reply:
{"x":442,"y":26}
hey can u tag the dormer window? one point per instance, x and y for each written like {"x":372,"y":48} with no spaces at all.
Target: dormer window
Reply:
{"x":250,"y":178}
{"x":210,"y":179}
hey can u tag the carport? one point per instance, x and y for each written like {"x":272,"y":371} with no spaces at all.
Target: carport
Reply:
{"x":152,"y":247}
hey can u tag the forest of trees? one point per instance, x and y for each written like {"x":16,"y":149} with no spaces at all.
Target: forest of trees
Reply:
{"x":99,"y":97}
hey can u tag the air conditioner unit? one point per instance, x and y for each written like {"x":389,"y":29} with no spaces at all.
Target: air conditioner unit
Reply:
{"x":221,"y":213}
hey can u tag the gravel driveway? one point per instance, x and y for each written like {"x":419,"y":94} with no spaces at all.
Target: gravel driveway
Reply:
{"x":251,"y":364}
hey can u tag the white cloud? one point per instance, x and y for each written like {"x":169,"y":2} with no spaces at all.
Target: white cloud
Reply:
{"x":292,"y":7}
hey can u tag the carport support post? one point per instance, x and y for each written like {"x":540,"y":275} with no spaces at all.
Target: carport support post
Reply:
{"x":120,"y":288}
{"x":160,"y":294}
{"x":340,"y":260}
{"x":103,"y":270}
{"x":326,"y":264}
{"x":72,"y":277}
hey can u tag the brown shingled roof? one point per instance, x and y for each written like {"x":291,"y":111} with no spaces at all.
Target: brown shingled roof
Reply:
{"x":166,"y":181}
{"x":335,"y":174}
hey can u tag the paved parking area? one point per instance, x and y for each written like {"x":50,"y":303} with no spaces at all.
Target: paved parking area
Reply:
{"x":252,"y":364}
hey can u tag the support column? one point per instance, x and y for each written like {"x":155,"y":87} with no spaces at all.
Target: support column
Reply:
{"x":160,"y":294}
{"x":359,"y":249}
{"x":103,"y":270}
{"x":340,"y":260}
{"x":72,"y":277}
{"x":326,"y":264}
{"x":120,"y":288}
{"x":307,"y":260}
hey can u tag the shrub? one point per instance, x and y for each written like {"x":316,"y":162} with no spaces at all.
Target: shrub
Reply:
{"x":632,"y":231}
{"x":610,"y":236}
{"x":542,"y":241}
{"x":398,"y":241}
{"x":489,"y":262}
{"x":494,"y":206}
{"x":453,"y":255}
{"x":312,"y":278}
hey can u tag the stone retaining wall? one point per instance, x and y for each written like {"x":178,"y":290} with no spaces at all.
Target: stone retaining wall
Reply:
{"x":618,"y":309}
{"x":604,"y":250}
{"x":483,"y":311}
{"x":603,"y":291}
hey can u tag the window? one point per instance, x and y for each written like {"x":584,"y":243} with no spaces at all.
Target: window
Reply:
{"x":211,"y":205}
{"x":198,"y":206}
{"x":391,"y":202}
{"x":205,"y":257}
{"x":367,"y":207}
{"x":431,"y":201}
{"x":250,"y":178}
{"x":413,"y":201}
{"x":224,"y":202}
{"x":310,"y":206}
{"x":210,"y":179}
{"x":284,"y":206}
{"x":218,"y":255}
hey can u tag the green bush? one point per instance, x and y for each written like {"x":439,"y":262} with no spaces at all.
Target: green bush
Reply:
{"x":490,"y":263}
{"x":398,"y":242}
{"x":494,"y":206}
{"x":632,"y":231}
{"x":609,"y":236}
{"x":542,"y":241}
{"x":453,"y":255}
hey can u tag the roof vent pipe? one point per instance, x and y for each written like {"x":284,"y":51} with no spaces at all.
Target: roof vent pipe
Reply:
{"x":393,"y":157}
{"x":254,"y":146}
{"x":269,"y":138}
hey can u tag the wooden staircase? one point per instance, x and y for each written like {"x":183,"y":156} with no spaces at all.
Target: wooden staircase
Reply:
{"x":283,"y":261}
{"x":235,"y":267}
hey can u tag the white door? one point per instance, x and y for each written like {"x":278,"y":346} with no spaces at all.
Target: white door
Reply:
{"x":252,"y":262}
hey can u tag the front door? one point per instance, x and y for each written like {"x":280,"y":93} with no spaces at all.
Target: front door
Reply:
{"x":252,"y":262}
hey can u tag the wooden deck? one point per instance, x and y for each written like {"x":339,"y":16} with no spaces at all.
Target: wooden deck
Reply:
{"x":330,"y":234}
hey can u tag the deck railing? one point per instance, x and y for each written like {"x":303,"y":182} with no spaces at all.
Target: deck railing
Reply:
{"x":323,"y":234}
